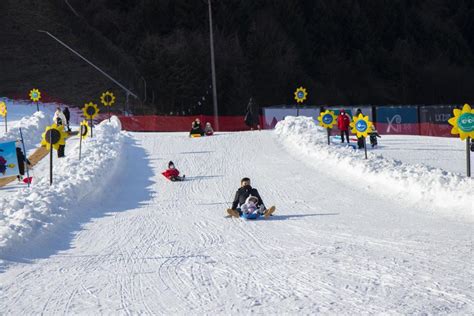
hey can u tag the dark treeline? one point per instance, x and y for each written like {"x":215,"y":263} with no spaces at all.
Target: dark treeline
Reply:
{"x":343,"y":52}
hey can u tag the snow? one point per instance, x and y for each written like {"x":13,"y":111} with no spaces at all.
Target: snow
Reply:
{"x":29,"y":212}
{"x":428,"y":187}
{"x":350,"y":236}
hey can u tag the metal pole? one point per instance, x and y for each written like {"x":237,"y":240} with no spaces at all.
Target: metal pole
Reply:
{"x":468,"y":156}
{"x":80,"y":141}
{"x":213,"y":69}
{"x":329,"y":136}
{"x":90,"y":63}
{"x":37,"y":107}
{"x":6,"y":123}
{"x":365,"y":147}
{"x":50,"y":160}
{"x":92,"y":129}
{"x":26,"y":162}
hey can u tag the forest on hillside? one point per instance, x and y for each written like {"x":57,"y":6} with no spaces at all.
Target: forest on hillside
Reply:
{"x":343,"y":52}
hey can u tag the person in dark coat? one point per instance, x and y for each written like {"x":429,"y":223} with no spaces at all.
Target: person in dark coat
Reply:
{"x":360,"y":140}
{"x":196,"y":128}
{"x":243,"y":193}
{"x":343,"y":122}
{"x":21,"y":163}
{"x":251,"y":116}
{"x":67,"y":115}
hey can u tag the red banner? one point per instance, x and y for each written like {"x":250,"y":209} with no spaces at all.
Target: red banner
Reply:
{"x":157,"y":123}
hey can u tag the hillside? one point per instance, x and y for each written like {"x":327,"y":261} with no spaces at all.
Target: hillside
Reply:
{"x":32,"y":59}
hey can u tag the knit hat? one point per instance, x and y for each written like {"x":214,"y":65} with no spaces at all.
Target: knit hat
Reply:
{"x":170,"y":164}
{"x":251,"y":197}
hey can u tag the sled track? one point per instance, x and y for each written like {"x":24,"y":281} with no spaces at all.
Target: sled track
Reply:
{"x":161,"y":247}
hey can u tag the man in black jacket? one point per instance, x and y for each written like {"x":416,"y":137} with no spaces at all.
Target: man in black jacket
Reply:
{"x":242,"y":194}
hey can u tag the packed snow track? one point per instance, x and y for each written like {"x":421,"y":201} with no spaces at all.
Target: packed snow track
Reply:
{"x":151,"y":246}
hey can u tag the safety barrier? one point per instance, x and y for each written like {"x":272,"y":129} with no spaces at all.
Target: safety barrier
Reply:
{"x":157,"y":123}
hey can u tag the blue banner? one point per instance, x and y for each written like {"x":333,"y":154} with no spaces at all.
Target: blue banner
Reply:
{"x":8,"y":160}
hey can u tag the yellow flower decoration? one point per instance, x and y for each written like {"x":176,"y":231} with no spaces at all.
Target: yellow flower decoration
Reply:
{"x":300,"y":95}
{"x":90,"y":110}
{"x":107,"y":98}
{"x":35,"y":95}
{"x":327,"y":119}
{"x":463,"y":122}
{"x":3,"y":109}
{"x":84,"y":129}
{"x":54,"y":135}
{"x":361,"y":126}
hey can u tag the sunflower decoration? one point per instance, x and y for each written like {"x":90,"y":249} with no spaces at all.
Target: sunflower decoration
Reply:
{"x":55,"y":136}
{"x":35,"y":95}
{"x":301,"y":95}
{"x":361,"y":126}
{"x":90,"y":110}
{"x":463,"y":122}
{"x":327,"y":119}
{"x":107,"y":98}
{"x":84,"y":129}
{"x":3,"y":109}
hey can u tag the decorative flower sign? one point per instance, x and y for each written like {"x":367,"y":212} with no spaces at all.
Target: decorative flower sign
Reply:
{"x":361,"y":126}
{"x":3,"y":109}
{"x":55,"y":136}
{"x":107,"y":98}
{"x":463,"y":122}
{"x":300,"y":95}
{"x":84,"y":129}
{"x":35,"y":95}
{"x":327,"y":119}
{"x":90,"y":110}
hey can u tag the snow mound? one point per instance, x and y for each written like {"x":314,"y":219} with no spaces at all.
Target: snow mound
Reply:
{"x":430,"y":188}
{"x":31,"y":126}
{"x":32,"y":211}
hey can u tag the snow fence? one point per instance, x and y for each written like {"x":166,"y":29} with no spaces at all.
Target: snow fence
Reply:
{"x":427,"y":187}
{"x":31,"y":212}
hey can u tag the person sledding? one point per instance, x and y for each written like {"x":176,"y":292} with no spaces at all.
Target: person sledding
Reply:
{"x":208,"y":130}
{"x":172,"y":173}
{"x":251,"y":208}
{"x":196,"y":128}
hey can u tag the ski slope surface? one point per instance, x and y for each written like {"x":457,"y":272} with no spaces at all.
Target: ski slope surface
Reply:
{"x":346,"y":241}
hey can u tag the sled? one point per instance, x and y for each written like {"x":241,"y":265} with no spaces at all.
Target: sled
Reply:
{"x":27,"y":180}
{"x":174,"y":179}
{"x":194,"y":135}
{"x":253,"y":216}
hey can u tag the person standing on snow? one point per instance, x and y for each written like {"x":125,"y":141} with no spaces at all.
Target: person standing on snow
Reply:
{"x":241,"y":196}
{"x":60,"y":120}
{"x":251,"y":116}
{"x":21,"y":163}
{"x":343,"y":122}
{"x":67,"y":115}
{"x":360,"y":140}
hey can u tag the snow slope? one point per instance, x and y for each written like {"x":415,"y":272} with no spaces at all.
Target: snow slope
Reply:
{"x":30,"y":212}
{"x":149,"y":246}
{"x":430,"y":188}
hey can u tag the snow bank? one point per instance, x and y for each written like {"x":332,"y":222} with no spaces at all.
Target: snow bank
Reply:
{"x":32,"y":211}
{"x":31,"y":126}
{"x":430,"y":188}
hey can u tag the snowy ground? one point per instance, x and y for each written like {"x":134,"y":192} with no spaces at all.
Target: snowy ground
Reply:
{"x":147,"y":245}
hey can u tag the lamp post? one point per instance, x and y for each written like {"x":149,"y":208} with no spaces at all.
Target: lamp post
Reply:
{"x":213,"y":69}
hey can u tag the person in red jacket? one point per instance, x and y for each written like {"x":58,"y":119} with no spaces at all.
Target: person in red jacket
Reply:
{"x":172,"y":173}
{"x":343,"y":121}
